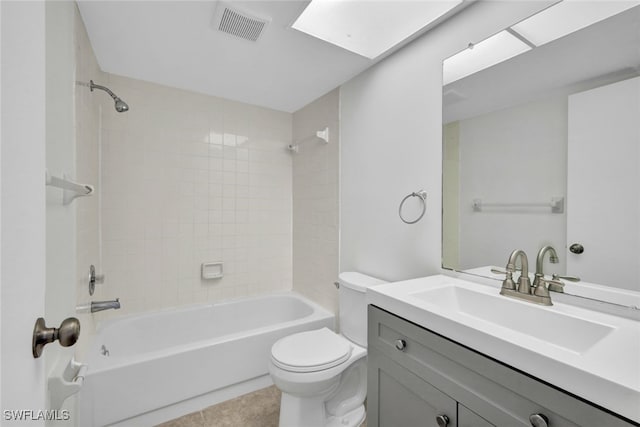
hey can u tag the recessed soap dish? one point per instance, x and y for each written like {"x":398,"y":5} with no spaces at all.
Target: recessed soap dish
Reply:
{"x":212,"y":270}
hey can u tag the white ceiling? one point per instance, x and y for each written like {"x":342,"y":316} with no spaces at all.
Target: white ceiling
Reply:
{"x":174,"y":43}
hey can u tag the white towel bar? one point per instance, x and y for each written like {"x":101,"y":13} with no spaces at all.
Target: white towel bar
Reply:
{"x":556,"y":205}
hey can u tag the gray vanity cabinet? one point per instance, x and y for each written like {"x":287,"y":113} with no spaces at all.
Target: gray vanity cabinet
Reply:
{"x":417,"y":378}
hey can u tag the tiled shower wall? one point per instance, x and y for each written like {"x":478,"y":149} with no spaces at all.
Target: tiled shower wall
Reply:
{"x":315,"y":202}
{"x":187,"y":179}
{"x":87,"y":132}
{"x":184,"y":178}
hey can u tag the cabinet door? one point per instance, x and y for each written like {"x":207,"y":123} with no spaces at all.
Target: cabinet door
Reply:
{"x":398,"y":397}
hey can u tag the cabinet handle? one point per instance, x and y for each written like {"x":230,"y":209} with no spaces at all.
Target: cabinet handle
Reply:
{"x":442,"y":420}
{"x":401,"y":345}
{"x":538,"y":420}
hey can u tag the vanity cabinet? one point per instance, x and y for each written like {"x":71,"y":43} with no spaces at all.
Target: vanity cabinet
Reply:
{"x":418,"y":378}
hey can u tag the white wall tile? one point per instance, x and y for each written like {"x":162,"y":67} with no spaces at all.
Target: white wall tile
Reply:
{"x":315,"y":200}
{"x":177,"y":191}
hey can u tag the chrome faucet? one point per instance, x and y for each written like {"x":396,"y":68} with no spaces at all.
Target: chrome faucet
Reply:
{"x":553,"y":258}
{"x":524,"y":284}
{"x":105,"y":305}
{"x":540,"y":293}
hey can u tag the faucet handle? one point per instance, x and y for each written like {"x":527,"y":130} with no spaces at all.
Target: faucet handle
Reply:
{"x":567,"y":278}
{"x":545,"y":285}
{"x":555,"y":285}
{"x":498,"y":271}
{"x":542,"y":289}
{"x":507,"y":283}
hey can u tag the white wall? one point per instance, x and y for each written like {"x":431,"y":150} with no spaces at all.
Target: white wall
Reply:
{"x":315,"y":202}
{"x":391,"y":145}
{"x":514,"y":155}
{"x":22,"y":51}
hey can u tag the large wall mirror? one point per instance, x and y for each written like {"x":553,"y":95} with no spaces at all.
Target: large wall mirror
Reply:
{"x":541,"y":145}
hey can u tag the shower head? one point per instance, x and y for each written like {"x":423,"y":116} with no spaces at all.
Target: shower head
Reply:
{"x":120,"y":105}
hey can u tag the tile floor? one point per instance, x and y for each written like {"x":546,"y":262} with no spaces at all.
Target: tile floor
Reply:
{"x":258,"y":409}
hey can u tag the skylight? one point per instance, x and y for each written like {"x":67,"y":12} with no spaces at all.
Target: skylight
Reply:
{"x":488,"y":52}
{"x":566,"y":17}
{"x":369,"y":28}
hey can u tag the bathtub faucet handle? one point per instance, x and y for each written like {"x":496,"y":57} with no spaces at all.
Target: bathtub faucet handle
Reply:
{"x":94,"y":279}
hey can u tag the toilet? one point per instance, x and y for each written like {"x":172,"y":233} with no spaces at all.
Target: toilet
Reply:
{"x":322,"y":374}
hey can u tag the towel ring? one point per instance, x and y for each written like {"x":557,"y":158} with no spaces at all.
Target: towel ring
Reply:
{"x":423,"y":198}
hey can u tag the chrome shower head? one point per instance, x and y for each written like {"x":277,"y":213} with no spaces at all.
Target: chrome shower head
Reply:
{"x":120,"y":105}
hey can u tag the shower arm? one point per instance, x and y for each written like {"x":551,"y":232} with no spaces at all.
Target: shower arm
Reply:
{"x":92,"y":86}
{"x":120,"y":105}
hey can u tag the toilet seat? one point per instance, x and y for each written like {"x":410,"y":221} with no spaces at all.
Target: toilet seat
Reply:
{"x":311,"y":351}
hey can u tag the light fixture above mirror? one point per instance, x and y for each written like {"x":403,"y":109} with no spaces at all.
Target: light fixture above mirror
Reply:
{"x":559,"y":20}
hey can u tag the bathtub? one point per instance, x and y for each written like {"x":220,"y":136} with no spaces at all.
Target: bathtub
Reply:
{"x":149,"y":368}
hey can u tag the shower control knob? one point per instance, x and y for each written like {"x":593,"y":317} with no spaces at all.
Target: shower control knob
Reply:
{"x":401,"y":345}
{"x":442,"y":420}
{"x":576,"y":248}
{"x":538,"y":420}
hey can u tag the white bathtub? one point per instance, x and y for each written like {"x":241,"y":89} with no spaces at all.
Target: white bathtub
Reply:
{"x":165,"y":364}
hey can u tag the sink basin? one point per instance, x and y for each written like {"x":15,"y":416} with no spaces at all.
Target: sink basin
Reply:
{"x":569,"y":332}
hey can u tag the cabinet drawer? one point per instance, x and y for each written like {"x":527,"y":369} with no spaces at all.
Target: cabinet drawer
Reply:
{"x":494,"y":391}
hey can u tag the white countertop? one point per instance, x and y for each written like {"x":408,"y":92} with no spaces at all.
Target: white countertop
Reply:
{"x":606,"y":372}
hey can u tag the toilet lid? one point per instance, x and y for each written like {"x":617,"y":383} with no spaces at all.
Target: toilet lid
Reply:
{"x":310,"y":351}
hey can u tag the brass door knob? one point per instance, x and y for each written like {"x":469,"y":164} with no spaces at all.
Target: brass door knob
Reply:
{"x":67,"y":334}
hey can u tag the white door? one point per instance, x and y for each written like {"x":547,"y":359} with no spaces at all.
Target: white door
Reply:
{"x":22,"y":206}
{"x":603,"y":185}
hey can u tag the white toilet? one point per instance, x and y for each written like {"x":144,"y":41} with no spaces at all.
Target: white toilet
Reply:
{"x":322,"y":374}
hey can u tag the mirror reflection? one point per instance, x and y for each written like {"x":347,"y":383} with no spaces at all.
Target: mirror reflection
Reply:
{"x":541,"y":147}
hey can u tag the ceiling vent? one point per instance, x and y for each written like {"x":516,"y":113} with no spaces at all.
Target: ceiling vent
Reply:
{"x":239,"y":23}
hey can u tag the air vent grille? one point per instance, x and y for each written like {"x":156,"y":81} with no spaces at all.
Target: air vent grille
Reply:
{"x":241,"y":25}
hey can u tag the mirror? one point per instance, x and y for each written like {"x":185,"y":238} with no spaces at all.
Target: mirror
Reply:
{"x":543,"y":149}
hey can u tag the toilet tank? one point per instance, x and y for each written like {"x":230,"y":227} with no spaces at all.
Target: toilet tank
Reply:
{"x":353,"y":305}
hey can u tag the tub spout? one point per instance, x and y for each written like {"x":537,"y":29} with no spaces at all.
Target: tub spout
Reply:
{"x":105,"y":305}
